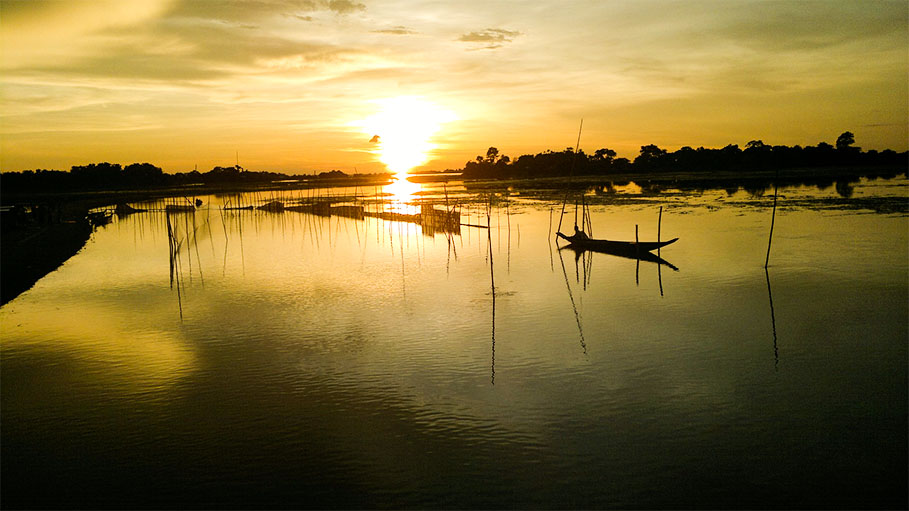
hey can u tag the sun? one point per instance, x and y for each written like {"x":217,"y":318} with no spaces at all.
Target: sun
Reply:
{"x":402,"y":131}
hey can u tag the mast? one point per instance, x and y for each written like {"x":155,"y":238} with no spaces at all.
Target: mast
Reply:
{"x":570,"y":175}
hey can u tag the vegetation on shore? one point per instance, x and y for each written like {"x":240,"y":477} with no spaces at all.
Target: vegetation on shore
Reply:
{"x":145,"y":176}
{"x":823,"y":160}
{"x":756,"y":156}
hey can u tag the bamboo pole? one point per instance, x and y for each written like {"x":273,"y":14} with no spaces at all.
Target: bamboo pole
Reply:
{"x":659,"y":222}
{"x":492,"y":287}
{"x":570,"y":174}
{"x":637,"y":253}
{"x":776,"y":184}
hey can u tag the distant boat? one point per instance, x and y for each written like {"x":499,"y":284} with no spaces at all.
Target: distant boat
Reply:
{"x":124,"y":209}
{"x":179,"y":208}
{"x":610,"y":246}
{"x":99,"y":218}
{"x":273,"y":207}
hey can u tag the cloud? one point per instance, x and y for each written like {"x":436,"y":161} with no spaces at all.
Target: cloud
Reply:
{"x":200,"y":54}
{"x":807,"y":26}
{"x":398,"y":30}
{"x":58,"y":31}
{"x":246,"y":11}
{"x":345,"y":6}
{"x":491,"y":37}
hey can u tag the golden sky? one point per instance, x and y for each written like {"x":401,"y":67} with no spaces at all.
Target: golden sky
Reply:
{"x":303,"y":85}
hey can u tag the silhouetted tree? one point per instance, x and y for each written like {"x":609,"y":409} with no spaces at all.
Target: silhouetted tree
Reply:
{"x":137,"y":174}
{"x":651,"y":158}
{"x":604,"y":154}
{"x":97,"y":175}
{"x":756,"y":155}
{"x":755,"y":144}
{"x":845,"y":141}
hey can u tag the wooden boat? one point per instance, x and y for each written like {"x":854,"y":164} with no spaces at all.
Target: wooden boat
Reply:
{"x":610,"y":246}
{"x":648,"y":257}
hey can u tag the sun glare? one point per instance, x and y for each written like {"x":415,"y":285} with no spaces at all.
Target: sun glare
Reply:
{"x":402,"y":131}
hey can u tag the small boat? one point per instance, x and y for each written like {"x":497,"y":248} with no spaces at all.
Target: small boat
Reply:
{"x":124,"y":209}
{"x":623,"y":252}
{"x":272,"y":207}
{"x":179,"y":208}
{"x":581,"y":241}
{"x":99,"y":218}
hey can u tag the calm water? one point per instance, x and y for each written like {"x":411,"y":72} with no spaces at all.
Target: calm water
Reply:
{"x":294,"y":360}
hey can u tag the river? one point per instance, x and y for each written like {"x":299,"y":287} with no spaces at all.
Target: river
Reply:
{"x":353,"y":358}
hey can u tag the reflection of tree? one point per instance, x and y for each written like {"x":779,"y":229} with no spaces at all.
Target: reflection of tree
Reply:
{"x":844,"y":188}
{"x":823,"y":183}
{"x":756,"y":192}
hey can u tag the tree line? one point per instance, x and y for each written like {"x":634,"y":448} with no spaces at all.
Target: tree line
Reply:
{"x":652,"y":159}
{"x":113,"y":176}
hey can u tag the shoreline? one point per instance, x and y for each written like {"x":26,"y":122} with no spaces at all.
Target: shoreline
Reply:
{"x":29,"y":253}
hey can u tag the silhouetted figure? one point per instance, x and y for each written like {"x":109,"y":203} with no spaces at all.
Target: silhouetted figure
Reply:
{"x":579,"y":234}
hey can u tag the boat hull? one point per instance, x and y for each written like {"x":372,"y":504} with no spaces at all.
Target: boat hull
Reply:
{"x":622,"y":247}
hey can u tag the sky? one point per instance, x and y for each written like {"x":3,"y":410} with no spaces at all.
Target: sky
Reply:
{"x":303,"y":86}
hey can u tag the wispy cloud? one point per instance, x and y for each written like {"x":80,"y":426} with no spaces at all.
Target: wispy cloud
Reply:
{"x":490,"y":37}
{"x":345,"y":6}
{"x":398,"y":30}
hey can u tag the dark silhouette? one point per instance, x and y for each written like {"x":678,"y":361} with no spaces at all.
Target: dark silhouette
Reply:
{"x":823,"y":159}
{"x":137,"y":176}
{"x":844,"y":142}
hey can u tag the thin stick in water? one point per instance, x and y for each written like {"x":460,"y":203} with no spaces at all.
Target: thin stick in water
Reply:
{"x":772,"y":217}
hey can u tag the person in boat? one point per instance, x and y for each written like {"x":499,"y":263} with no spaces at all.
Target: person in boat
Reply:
{"x":579,"y":235}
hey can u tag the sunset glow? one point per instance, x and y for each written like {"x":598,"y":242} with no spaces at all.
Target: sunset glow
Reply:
{"x":403,"y":131}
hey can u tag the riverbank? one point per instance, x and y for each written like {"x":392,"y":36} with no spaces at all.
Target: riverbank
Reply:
{"x":32,"y":251}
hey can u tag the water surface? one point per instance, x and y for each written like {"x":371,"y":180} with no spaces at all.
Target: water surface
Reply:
{"x":296,"y":360}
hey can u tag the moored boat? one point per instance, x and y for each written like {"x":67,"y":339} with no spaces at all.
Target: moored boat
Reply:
{"x":622,"y":251}
{"x":629,"y":247}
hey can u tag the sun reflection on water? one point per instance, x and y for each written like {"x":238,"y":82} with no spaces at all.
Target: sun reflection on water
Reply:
{"x":401,"y":193}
